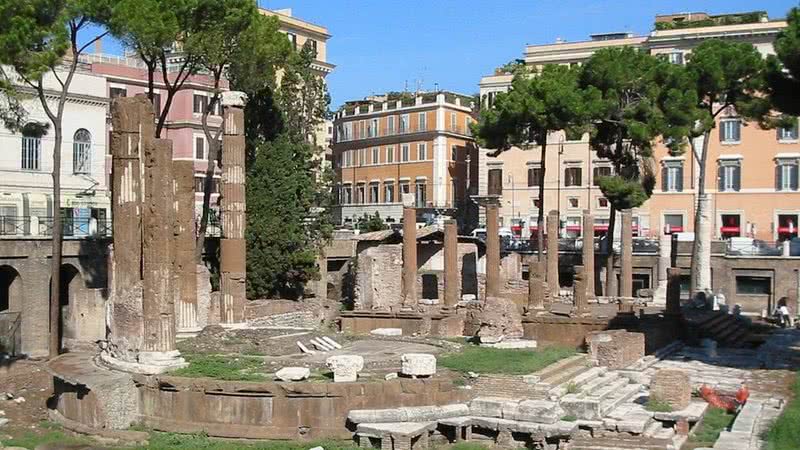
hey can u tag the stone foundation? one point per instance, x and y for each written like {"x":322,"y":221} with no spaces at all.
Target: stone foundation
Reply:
{"x":615,"y":349}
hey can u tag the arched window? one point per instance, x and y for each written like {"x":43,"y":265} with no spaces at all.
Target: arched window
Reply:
{"x":81,"y":151}
{"x":32,"y":146}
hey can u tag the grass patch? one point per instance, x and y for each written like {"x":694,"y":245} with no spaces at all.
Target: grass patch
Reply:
{"x":572,"y":388}
{"x":466,"y":446}
{"x":229,"y":368}
{"x":656,"y":405}
{"x":715,"y":421}
{"x":503,"y":361}
{"x":784,"y":434}
{"x":174,"y":441}
{"x":570,"y":418}
{"x":49,"y":433}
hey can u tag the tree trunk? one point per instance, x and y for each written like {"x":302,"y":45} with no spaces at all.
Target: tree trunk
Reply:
{"x":55,"y":270}
{"x":214,"y":158}
{"x":701,"y":247}
{"x":540,"y":217}
{"x":611,"y":279}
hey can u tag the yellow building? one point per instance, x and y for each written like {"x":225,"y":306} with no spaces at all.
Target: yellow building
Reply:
{"x":395,"y":144}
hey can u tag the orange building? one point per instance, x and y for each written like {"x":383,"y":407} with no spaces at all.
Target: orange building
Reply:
{"x":395,"y":144}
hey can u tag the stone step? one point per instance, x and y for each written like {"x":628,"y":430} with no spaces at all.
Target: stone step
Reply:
{"x":555,"y":371}
{"x":657,"y":430}
{"x":619,"y":397}
{"x":609,"y":377}
{"x":622,"y":442}
{"x":589,"y":406}
{"x":577,"y":381}
{"x":609,"y":389}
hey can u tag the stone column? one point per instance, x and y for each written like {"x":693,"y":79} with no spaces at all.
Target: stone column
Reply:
{"x":232,"y":245}
{"x":184,"y":240}
{"x":451,"y":280}
{"x":701,"y":252}
{"x":552,"y":253}
{"x":492,"y":250}
{"x":588,"y":251}
{"x":158,"y":306}
{"x":133,"y":123}
{"x":579,"y":288}
{"x":409,"y":292}
{"x":536,"y":284}
{"x":626,"y":260}
{"x":321,"y":292}
{"x":664,"y":252}
{"x":673,"y":291}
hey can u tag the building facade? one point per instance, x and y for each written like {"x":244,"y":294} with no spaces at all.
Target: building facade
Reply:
{"x":751,"y":175}
{"x":391,"y":145}
{"x":26,"y":201}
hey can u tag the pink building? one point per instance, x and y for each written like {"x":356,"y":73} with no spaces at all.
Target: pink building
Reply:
{"x":126,"y":77}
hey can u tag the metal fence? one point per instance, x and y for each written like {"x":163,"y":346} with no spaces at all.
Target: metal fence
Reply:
{"x":757,"y":247}
{"x":568,"y":245}
{"x":10,"y":336}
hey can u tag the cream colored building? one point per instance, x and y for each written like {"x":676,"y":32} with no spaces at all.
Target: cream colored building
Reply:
{"x":751,"y":174}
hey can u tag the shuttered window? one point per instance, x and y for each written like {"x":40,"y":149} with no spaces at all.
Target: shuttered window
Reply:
{"x":730,"y":176}
{"x":730,"y":130}
{"x":672,"y":176}
{"x":786,"y":175}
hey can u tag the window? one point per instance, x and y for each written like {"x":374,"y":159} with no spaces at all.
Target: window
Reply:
{"x":536,"y":203}
{"x":602,"y":202}
{"x":374,"y":193}
{"x":388,"y":191}
{"x":422,"y":152}
{"x":390,"y":125}
{"x":199,"y":103}
{"x":405,"y":188}
{"x":362,"y":157}
{"x":361,"y":194}
{"x":453,"y":122}
{"x":347,"y":195}
{"x":749,"y":285}
{"x":31,"y":152}
{"x":200,"y":183}
{"x":786,"y":175}
{"x":676,"y":58}
{"x":81,"y":146}
{"x":672,"y":176}
{"x":534,"y":176}
{"x":731,"y":225}
{"x":454,"y":153}
{"x":373,"y":128}
{"x":730,"y":130}
{"x":293,"y":39}
{"x":423,"y":122}
{"x":787,"y":226}
{"x":404,"y":152}
{"x":640,"y":281}
{"x":467,"y":123}
{"x":347,"y":158}
{"x":673,"y":223}
{"x":573,"y":202}
{"x":572,"y":176}
{"x":454,"y":192}
{"x":117,"y":92}
{"x":313,"y":44}
{"x":389,"y":154}
{"x":730,"y":176}
{"x":420,"y":194}
{"x":157,"y":105}
{"x":362,"y":129}
{"x":600,"y":226}
{"x":788,"y":134}
{"x":404,"y":123}
{"x":199,"y":148}
{"x":597,"y":172}
{"x":572,"y":227}
{"x":375,"y":152}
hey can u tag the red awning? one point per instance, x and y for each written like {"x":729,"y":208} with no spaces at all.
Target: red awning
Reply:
{"x":729,"y":229}
{"x":516,"y":227}
{"x":787,"y":229}
{"x":533,"y":227}
{"x":601,"y":228}
{"x":675,"y":229}
{"x":573,"y":228}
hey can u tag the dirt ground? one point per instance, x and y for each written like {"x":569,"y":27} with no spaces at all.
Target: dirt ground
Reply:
{"x":28,"y":380}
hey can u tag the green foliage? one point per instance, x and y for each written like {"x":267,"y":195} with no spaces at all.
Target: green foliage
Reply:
{"x":49,"y":434}
{"x":253,"y":66}
{"x":572,"y":388}
{"x":622,"y":193}
{"x":655,"y":404}
{"x":369,"y":223}
{"x":200,"y":441}
{"x":726,"y":19}
{"x":230,"y":368}
{"x":570,"y":418}
{"x":784,"y":434}
{"x":715,"y":421}
{"x":303,"y":97}
{"x":783,"y":68}
{"x":503,"y":361}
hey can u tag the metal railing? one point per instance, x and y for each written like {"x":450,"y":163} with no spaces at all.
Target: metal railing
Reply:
{"x":757,"y":247}
{"x":72,"y":227}
{"x":10,"y":336}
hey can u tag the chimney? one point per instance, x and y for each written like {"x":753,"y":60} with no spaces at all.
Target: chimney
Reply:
{"x":98,"y":46}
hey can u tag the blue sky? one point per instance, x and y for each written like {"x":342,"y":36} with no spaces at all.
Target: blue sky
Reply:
{"x":380,"y":45}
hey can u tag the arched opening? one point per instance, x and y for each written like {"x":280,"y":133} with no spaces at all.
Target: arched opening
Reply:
{"x":81,"y":151}
{"x":71,"y":283}
{"x":10,"y":290}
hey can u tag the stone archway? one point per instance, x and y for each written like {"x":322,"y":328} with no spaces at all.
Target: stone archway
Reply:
{"x":82,"y":311}
{"x":11,"y":290}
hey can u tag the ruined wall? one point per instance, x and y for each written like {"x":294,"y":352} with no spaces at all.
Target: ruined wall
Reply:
{"x":284,"y":313}
{"x":378,"y":281}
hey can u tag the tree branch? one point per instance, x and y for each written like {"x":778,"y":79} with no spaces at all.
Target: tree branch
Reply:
{"x":96,"y":38}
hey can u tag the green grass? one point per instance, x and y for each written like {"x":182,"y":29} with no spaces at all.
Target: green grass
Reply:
{"x":229,"y":368}
{"x":784,"y":434}
{"x":503,"y":361}
{"x":715,"y":421}
{"x":570,"y":418}
{"x":174,"y":441}
{"x":48,"y":434}
{"x":464,"y":446}
{"x":572,"y":388}
{"x":656,"y":405}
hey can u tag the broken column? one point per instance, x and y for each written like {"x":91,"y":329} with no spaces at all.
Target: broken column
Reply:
{"x":451,"y":279}
{"x":588,"y":251}
{"x":536,"y":284}
{"x":552,"y":253}
{"x":232,"y":245}
{"x":409,"y":291}
{"x":581,"y":301}
{"x":492,"y":250}
{"x":184,"y":241}
{"x":626,"y":260}
{"x":673,"y":291}
{"x":133,"y":126}
{"x":158,"y":304}
{"x":671,"y":386}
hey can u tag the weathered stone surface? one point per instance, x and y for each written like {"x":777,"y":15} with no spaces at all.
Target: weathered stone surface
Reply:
{"x":452,"y":277}
{"x":536,"y":284}
{"x":626,"y":259}
{"x":492,"y":251}
{"x":418,"y":364}
{"x":387,"y":332}
{"x":581,"y":301}
{"x":293,"y":373}
{"x":184,"y":266}
{"x":553,"y":223}
{"x":512,"y":343}
{"x":537,"y":411}
{"x":409,"y":274}
{"x":498,"y":318}
{"x":588,"y":252}
{"x":671,"y":386}
{"x":408,"y":414}
{"x":615,"y":349}
{"x":345,"y":367}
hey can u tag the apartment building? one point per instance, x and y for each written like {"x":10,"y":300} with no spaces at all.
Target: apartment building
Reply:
{"x":751,"y":175}
{"x":26,"y":165}
{"x":400,"y":143}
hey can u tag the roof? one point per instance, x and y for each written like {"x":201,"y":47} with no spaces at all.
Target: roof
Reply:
{"x":428,"y":233}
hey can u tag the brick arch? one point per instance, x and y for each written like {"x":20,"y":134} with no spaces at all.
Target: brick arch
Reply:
{"x":11,"y":289}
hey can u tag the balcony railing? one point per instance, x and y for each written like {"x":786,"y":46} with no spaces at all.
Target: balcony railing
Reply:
{"x":398,"y":131}
{"x":757,"y":247}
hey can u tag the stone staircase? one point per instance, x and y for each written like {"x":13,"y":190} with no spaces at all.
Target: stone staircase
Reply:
{"x":555,"y":378}
{"x":727,"y":329}
{"x":599,"y":394}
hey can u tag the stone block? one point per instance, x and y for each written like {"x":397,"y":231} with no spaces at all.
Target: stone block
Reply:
{"x":512,"y":344}
{"x":387,"y":332}
{"x":293,"y":373}
{"x":488,"y":406}
{"x":537,"y":411}
{"x":615,"y":349}
{"x":671,"y":386}
{"x":452,"y":326}
{"x":418,"y":364}
{"x":345,"y":367}
{"x":498,"y":319}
